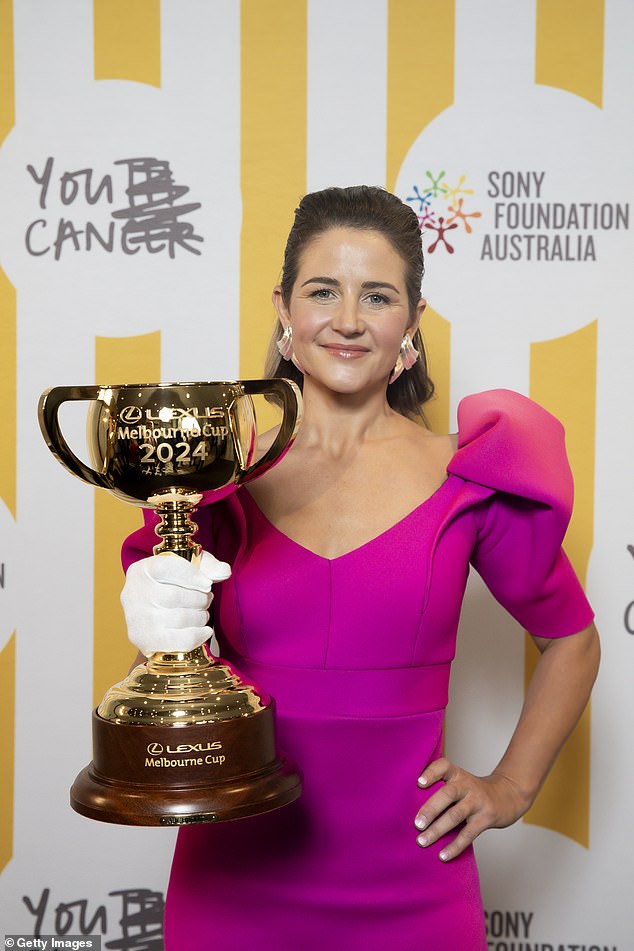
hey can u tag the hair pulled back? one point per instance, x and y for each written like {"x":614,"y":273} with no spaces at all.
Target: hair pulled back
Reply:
{"x":368,"y":208}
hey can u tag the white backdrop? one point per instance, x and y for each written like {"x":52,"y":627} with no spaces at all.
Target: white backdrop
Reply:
{"x":503,"y":143}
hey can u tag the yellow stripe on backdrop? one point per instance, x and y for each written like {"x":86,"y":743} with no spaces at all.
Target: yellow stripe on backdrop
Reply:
{"x":569,"y":49}
{"x":273,"y":159}
{"x":127,"y":36}
{"x":414,"y":98}
{"x":118,"y":360}
{"x":7,"y":750}
{"x":127,"y":44}
{"x":415,"y":95}
{"x":8,"y":455}
{"x":7,"y":92}
{"x":563,"y":379}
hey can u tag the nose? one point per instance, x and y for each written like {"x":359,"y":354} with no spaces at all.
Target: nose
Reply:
{"x":347,"y":319}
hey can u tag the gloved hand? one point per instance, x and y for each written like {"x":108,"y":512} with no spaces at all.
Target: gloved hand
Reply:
{"x":166,"y":601}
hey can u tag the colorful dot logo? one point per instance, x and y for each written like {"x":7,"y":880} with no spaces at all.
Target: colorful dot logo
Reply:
{"x":440,"y":209}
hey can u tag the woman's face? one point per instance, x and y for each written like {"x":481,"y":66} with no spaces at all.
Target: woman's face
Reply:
{"x":348,"y":309}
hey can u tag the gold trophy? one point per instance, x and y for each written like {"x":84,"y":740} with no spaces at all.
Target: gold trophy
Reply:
{"x":183,"y":739}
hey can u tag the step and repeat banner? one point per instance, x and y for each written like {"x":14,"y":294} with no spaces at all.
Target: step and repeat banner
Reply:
{"x":151,"y":156}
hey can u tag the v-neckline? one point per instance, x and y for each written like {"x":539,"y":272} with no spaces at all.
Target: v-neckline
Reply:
{"x":278,"y":531}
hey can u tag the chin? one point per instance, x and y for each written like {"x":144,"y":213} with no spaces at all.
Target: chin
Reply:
{"x":347,"y":379}
{"x":351,"y":386}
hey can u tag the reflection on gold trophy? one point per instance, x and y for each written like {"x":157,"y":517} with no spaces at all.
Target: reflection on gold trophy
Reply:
{"x":183,"y":739}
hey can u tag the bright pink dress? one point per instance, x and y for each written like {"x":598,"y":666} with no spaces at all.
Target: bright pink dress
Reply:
{"x":356,"y":651}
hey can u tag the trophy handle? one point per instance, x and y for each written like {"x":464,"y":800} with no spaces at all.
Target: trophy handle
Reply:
{"x":48,"y":410}
{"x":291,"y":399}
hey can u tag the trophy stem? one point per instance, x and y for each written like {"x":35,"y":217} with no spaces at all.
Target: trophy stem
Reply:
{"x":176,"y":528}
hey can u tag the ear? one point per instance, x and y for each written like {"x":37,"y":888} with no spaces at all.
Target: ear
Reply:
{"x":280,"y":307}
{"x":418,"y":313}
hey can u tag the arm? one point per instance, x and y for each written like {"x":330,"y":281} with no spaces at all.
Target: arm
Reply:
{"x":558,"y":693}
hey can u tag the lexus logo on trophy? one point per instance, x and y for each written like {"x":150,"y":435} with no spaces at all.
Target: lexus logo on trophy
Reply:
{"x":183,"y":739}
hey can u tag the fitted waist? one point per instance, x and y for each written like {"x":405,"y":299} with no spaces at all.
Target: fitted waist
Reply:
{"x":385,"y":692}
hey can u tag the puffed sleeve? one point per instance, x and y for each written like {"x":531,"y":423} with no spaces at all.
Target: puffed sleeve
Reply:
{"x":512,"y":445}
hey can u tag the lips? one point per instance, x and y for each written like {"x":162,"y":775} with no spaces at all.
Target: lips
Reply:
{"x":347,"y":350}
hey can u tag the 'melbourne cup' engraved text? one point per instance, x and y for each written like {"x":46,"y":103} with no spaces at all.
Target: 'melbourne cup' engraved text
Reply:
{"x":170,"y":432}
{"x":186,"y":761}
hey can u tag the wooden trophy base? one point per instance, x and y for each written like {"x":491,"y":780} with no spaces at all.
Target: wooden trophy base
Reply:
{"x":169,"y":775}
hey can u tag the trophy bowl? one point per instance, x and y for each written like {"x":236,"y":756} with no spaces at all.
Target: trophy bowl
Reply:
{"x":184,"y":738}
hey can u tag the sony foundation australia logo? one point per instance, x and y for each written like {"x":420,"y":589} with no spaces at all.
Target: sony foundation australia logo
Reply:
{"x":517,"y":217}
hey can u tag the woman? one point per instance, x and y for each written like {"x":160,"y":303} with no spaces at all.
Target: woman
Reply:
{"x":349,"y":562}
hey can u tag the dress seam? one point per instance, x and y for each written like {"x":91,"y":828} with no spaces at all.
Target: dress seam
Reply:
{"x":329,"y":625}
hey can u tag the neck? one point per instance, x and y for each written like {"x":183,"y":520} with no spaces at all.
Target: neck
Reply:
{"x":338,"y":422}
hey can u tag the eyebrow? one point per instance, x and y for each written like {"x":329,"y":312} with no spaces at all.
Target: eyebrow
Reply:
{"x":367,"y":285}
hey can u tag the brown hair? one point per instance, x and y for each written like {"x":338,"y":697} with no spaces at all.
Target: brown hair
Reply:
{"x":370,"y":208}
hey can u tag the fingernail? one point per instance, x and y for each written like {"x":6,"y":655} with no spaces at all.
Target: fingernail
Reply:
{"x":422,"y":781}
{"x":443,"y":856}
{"x":422,"y":840}
{"x":420,"y":822}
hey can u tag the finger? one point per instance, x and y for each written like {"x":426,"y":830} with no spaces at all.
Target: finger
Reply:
{"x":160,"y":627}
{"x":169,"y":596}
{"x":436,"y":805}
{"x":213,"y":569}
{"x":172,"y":569}
{"x":439,"y":769}
{"x":463,"y":840}
{"x":445,"y":823}
{"x":180,"y":619}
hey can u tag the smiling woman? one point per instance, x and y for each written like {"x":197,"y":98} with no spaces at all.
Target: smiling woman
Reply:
{"x":349,"y":565}
{"x":378,"y":221}
{"x":348,"y":306}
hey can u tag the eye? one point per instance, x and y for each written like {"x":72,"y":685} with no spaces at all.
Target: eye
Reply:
{"x":377,"y":299}
{"x":321,"y":293}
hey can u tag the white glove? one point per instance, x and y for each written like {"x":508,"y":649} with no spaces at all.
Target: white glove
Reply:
{"x":166,"y":601}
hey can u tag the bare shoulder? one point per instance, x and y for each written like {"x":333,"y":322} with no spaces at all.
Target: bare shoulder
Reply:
{"x":439,"y":446}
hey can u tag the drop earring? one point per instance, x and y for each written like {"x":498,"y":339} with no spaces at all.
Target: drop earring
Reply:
{"x":408,"y":353}
{"x":285,"y":346}
{"x":285,"y":343}
{"x":407,"y":357}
